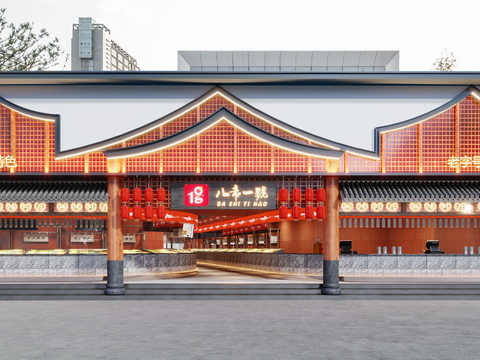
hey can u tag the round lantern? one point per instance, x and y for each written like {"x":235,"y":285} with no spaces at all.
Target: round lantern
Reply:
{"x":296,"y":195}
{"x":161,"y":212}
{"x":137,"y":212}
{"x":125,"y":195}
{"x":161,"y":195}
{"x":309,"y":212}
{"x":149,"y":212}
{"x":309,"y":195}
{"x":320,"y":195}
{"x":137,"y":195}
{"x":283,"y":195}
{"x":125,"y":211}
{"x":296,"y":212}
{"x":283,"y":212}
{"x":320,"y":212}
{"x":148,"y":195}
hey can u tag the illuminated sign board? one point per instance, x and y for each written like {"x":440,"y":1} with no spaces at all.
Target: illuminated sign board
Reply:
{"x":8,"y":161}
{"x":463,"y":162}
{"x":224,"y":195}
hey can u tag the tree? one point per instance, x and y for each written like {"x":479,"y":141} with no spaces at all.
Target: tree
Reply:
{"x":23,"y":50}
{"x":446,"y":61}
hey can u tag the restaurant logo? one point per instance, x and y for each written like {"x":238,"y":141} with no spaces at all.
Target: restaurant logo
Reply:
{"x":196,"y":195}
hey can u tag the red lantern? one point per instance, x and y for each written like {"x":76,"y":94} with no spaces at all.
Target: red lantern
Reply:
{"x":309,"y":195}
{"x":161,"y":195}
{"x":125,"y":195}
{"x":148,"y":195}
{"x":320,"y":195}
{"x":149,"y":211}
{"x":320,"y":212}
{"x":296,"y":195}
{"x":137,"y":195}
{"x":283,"y":195}
{"x":309,"y":212}
{"x":283,"y":212}
{"x":125,"y":211}
{"x":296,"y":212}
{"x":161,"y":212}
{"x":137,"y":212}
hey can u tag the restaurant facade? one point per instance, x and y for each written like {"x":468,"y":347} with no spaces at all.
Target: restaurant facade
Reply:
{"x":137,"y":161}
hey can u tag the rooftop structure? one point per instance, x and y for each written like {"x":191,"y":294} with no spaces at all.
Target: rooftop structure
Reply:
{"x":288,"y":61}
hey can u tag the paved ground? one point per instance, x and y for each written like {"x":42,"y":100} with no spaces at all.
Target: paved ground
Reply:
{"x":240,"y":330}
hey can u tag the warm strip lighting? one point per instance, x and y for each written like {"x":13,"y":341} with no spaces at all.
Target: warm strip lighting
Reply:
{"x":28,"y":116}
{"x":210,"y":126}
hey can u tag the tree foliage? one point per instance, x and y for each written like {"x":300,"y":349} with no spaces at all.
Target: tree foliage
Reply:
{"x":445,"y":62}
{"x":21,"y":49}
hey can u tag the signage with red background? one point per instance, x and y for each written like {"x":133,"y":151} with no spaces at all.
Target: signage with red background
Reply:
{"x":195,"y":195}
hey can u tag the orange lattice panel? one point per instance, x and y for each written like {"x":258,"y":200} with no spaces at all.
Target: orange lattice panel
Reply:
{"x":253,"y":120}
{"x":213,"y":104}
{"x":182,"y":158}
{"x":288,"y":136}
{"x":318,"y":165}
{"x":5,"y":123}
{"x":252,"y":155}
{"x":469,"y":135}
{"x":357,"y":164}
{"x":181,"y":123}
{"x":438,"y":142}
{"x":30,"y":144}
{"x":289,"y":162}
{"x":217,"y":149}
{"x":145,"y":138}
{"x":97,"y":162}
{"x":70,"y":165}
{"x":400,"y":150}
{"x":144,"y":163}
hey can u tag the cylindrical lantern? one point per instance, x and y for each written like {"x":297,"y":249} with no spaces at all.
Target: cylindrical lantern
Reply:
{"x":283,"y":195}
{"x":320,"y":212}
{"x":137,"y":212}
{"x":161,"y":195}
{"x":320,"y":195}
{"x":296,"y":195}
{"x":309,"y":212}
{"x":149,"y":212}
{"x":148,"y":195}
{"x":125,"y":195}
{"x":309,"y":195}
{"x":283,"y":212}
{"x":296,"y":212}
{"x":125,"y":211}
{"x":137,"y":195}
{"x":161,"y":212}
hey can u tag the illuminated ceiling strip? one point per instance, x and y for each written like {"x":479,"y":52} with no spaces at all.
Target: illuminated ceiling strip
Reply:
{"x":27,"y":115}
{"x":472,"y":92}
{"x":208,"y":127}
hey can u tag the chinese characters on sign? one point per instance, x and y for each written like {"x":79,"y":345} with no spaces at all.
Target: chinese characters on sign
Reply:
{"x":8,"y":161}
{"x":224,"y":195}
{"x":463,"y":161}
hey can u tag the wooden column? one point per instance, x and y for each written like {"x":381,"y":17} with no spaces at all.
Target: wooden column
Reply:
{"x":114,"y":238}
{"x":331,"y":285}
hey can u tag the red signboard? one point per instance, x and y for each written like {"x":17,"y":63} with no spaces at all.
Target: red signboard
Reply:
{"x":195,"y":195}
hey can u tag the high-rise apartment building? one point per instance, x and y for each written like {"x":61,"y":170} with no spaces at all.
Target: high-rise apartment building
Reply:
{"x":94,"y":50}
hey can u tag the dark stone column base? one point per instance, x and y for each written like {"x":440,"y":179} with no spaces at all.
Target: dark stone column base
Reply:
{"x":115,"y":284}
{"x":331,"y":283}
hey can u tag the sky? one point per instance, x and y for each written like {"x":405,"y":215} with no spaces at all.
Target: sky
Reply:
{"x":152,"y":31}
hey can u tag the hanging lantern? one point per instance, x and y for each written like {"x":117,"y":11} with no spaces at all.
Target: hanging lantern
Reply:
{"x":296,"y":195}
{"x":296,"y":212}
{"x":137,"y":212}
{"x":283,"y":212}
{"x":125,"y":195}
{"x":125,"y":212}
{"x":309,"y":195}
{"x":283,"y":195}
{"x":320,"y":212}
{"x":309,"y":212}
{"x":161,"y":212}
{"x":149,"y":211}
{"x":320,"y":195}
{"x":137,"y":195}
{"x":161,"y":195}
{"x":148,"y":195}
